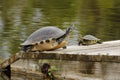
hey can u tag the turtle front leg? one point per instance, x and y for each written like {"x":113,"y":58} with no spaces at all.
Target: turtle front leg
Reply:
{"x":64,"y":47}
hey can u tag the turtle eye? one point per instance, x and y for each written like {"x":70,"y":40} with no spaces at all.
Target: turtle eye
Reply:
{"x":47,"y":41}
{"x":41,"y":42}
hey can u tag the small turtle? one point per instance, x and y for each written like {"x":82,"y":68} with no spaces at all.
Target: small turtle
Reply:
{"x":46,"y":38}
{"x":89,"y":40}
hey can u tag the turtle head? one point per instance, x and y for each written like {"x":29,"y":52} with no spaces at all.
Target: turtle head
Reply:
{"x":26,"y":48}
{"x":80,"y":42}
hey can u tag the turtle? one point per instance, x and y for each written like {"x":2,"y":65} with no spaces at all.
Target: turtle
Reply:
{"x":45,"y":39}
{"x":89,"y":40}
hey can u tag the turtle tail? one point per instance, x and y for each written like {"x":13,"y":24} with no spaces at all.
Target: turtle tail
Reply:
{"x":61,"y":38}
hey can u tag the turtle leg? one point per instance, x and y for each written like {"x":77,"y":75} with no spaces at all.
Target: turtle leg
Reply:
{"x":64,"y":47}
{"x":61,"y":38}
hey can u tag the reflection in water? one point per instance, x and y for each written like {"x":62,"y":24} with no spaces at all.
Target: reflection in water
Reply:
{"x":19,"y":18}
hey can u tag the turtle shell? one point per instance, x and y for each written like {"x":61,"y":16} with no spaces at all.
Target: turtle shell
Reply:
{"x":44,"y":33}
{"x":89,"y":40}
{"x":90,"y":37}
{"x":46,"y":38}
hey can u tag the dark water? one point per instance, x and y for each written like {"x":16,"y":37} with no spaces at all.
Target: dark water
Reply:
{"x":19,"y":18}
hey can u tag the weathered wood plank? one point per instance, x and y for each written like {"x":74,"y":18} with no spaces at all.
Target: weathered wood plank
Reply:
{"x":9,"y":61}
{"x":105,"y":52}
{"x":72,"y":57}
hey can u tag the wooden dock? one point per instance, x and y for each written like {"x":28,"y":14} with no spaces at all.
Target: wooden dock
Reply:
{"x":105,"y":52}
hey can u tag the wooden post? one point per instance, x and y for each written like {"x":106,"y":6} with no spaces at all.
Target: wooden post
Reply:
{"x":6,"y":66}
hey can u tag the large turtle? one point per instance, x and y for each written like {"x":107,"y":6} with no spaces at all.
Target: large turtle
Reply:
{"x":46,"y":38}
{"x":89,"y":40}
